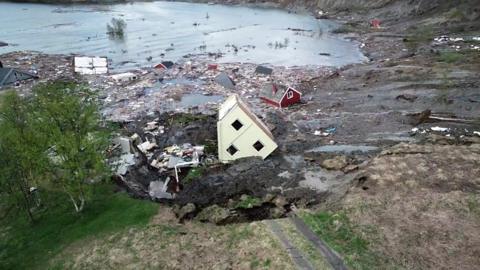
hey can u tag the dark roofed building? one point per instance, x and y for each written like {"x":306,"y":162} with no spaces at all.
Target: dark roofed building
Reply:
{"x":10,"y":76}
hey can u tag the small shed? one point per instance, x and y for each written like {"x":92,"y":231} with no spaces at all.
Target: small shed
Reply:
{"x":10,"y":76}
{"x":280,"y":95}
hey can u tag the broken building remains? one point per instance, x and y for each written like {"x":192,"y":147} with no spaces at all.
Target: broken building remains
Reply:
{"x":90,"y":65}
{"x":241,"y":133}
{"x":224,"y":80}
{"x":11,"y":76}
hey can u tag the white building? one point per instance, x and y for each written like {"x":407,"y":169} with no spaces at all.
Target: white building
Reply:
{"x":90,"y":65}
{"x":241,"y":133}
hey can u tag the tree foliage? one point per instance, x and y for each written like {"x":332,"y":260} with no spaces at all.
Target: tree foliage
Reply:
{"x":77,"y":142}
{"x":116,"y":28}
{"x":20,"y":153}
{"x":55,"y":140}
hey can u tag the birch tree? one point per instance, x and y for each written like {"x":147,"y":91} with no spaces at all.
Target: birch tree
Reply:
{"x":21,"y":154}
{"x":77,"y":141}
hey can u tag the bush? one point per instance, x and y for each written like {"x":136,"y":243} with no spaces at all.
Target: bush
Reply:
{"x":451,"y":57}
{"x":116,"y":28}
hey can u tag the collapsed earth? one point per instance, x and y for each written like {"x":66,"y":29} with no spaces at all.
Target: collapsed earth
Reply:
{"x":240,"y":135}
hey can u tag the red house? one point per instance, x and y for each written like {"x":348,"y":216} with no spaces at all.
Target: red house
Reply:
{"x":375,"y":23}
{"x":280,"y":95}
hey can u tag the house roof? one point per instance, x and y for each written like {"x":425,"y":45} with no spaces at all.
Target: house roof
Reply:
{"x":264,"y":70}
{"x":227,"y":106}
{"x":4,"y":73}
{"x":6,"y":76}
{"x":224,"y":80}
{"x":234,"y":101}
{"x":274,"y":91}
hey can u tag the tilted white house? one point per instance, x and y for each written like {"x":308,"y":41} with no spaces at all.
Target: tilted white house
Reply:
{"x":241,"y":133}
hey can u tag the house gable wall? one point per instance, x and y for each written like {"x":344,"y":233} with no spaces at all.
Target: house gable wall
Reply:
{"x":243,"y":139}
{"x":285,"y":102}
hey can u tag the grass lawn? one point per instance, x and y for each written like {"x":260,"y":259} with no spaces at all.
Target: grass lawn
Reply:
{"x":31,"y":246}
{"x":340,"y":234}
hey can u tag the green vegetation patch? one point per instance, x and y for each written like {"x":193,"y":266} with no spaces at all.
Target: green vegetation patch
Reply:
{"x":304,"y":245}
{"x":211,"y":147}
{"x":257,"y":263}
{"x":27,"y":246}
{"x":419,"y":35}
{"x":344,"y":29}
{"x":248,"y":202}
{"x":238,"y":234}
{"x":194,"y":174}
{"x":456,"y":14}
{"x":451,"y":57}
{"x":116,"y":28}
{"x":341,"y":235}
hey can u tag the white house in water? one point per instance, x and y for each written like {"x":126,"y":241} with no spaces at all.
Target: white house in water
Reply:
{"x":241,"y":133}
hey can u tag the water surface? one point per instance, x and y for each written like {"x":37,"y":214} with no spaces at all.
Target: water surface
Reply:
{"x":159,"y":31}
{"x":347,"y":149}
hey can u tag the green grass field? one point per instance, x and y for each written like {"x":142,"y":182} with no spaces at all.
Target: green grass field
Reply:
{"x":341,"y":235}
{"x":31,"y":246}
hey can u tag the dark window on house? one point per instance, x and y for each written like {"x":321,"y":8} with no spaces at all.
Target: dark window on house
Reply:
{"x":237,"y":125}
{"x":258,"y":146}
{"x":232,"y":150}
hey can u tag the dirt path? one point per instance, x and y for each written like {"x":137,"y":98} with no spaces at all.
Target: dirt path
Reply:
{"x":331,"y":256}
{"x":305,"y":248}
{"x":300,"y":260}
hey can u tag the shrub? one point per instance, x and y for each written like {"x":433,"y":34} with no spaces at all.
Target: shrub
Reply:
{"x":116,"y":28}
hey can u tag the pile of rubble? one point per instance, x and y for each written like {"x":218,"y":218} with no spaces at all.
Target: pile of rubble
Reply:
{"x":162,"y":89}
{"x":148,"y":166}
{"x":156,"y":156}
{"x":458,"y":43}
{"x":447,"y":135}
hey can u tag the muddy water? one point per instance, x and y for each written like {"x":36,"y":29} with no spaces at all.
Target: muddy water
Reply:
{"x":344,"y":149}
{"x":191,"y":100}
{"x":164,"y":30}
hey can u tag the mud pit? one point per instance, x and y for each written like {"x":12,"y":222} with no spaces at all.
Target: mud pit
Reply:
{"x":272,"y":186}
